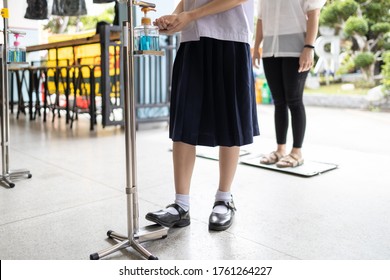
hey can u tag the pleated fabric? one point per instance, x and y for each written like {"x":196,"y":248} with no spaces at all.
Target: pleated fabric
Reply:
{"x":213,"y":94}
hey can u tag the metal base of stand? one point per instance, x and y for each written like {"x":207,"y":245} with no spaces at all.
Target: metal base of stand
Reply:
{"x":147,"y":233}
{"x":14,"y":174}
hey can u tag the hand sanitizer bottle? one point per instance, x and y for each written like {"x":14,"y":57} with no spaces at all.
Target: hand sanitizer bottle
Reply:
{"x":16,"y":53}
{"x":146,"y":36}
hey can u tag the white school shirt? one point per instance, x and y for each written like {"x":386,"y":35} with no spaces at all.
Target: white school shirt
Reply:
{"x":235,"y":24}
{"x":284,"y":25}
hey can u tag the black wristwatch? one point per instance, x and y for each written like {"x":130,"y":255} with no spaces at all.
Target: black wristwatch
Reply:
{"x":309,"y":46}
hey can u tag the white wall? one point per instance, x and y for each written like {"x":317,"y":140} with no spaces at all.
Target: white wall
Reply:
{"x":17,"y":22}
{"x":163,"y":7}
{"x":17,"y":9}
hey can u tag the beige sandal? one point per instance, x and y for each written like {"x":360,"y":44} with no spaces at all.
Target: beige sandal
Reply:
{"x":271,"y":158}
{"x":290,"y":160}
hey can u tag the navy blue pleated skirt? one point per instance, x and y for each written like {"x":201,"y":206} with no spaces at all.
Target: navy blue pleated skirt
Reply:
{"x":213,"y":94}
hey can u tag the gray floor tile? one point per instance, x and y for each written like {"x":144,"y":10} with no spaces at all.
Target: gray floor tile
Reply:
{"x":77,"y":193}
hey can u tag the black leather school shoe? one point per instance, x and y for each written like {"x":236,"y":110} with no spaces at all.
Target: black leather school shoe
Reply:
{"x":219,"y":221}
{"x":166,"y":219}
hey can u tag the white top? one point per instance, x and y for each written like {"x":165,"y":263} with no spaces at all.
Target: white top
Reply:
{"x":232,"y":25}
{"x":284,"y":25}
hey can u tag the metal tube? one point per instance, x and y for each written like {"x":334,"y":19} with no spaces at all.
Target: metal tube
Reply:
{"x":144,"y":4}
{"x":5,"y":108}
{"x":133,"y":149}
{"x":130,"y":137}
{"x":3,"y":123}
{"x":129,"y":189}
{"x":119,"y":246}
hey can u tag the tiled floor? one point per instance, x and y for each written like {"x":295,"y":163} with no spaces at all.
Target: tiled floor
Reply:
{"x":77,"y":193}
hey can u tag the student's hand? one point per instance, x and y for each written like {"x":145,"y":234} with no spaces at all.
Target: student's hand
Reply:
{"x":306,"y":60}
{"x":178,"y":22}
{"x":163,"y":22}
{"x":256,"y":58}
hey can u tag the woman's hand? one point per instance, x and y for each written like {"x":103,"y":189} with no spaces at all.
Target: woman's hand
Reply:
{"x":306,"y":60}
{"x":163,"y":22}
{"x":171,"y":24}
{"x":256,"y":57}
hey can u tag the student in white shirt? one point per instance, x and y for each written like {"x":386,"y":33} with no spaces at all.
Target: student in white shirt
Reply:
{"x":287,"y":30}
{"x":212,"y":99}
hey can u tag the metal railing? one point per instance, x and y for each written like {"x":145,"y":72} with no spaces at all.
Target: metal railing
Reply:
{"x":74,"y":88}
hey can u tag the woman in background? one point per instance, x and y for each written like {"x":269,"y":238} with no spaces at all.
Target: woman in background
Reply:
{"x":287,"y":30}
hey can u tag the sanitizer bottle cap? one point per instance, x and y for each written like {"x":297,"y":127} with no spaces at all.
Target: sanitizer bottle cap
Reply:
{"x":146,"y":20}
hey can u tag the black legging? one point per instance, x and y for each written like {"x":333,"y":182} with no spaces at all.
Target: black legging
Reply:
{"x":287,"y":85}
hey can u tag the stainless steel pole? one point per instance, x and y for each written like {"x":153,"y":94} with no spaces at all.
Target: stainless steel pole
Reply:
{"x":134,"y":234}
{"x":5,"y":105}
{"x":7,"y":174}
{"x":131,"y":172}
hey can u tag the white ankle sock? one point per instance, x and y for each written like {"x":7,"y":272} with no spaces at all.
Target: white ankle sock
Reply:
{"x":222,"y":196}
{"x":183,"y":200}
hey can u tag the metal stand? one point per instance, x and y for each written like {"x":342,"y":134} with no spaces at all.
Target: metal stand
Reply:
{"x":7,"y":174}
{"x":134,"y":234}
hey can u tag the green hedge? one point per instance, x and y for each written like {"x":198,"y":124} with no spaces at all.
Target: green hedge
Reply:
{"x":386,"y":70}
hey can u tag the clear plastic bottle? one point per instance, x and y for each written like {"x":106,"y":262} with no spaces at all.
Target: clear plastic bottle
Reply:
{"x":146,"y":36}
{"x":16,"y":53}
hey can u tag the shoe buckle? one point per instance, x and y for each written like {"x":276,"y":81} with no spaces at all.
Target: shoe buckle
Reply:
{"x":231,"y":205}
